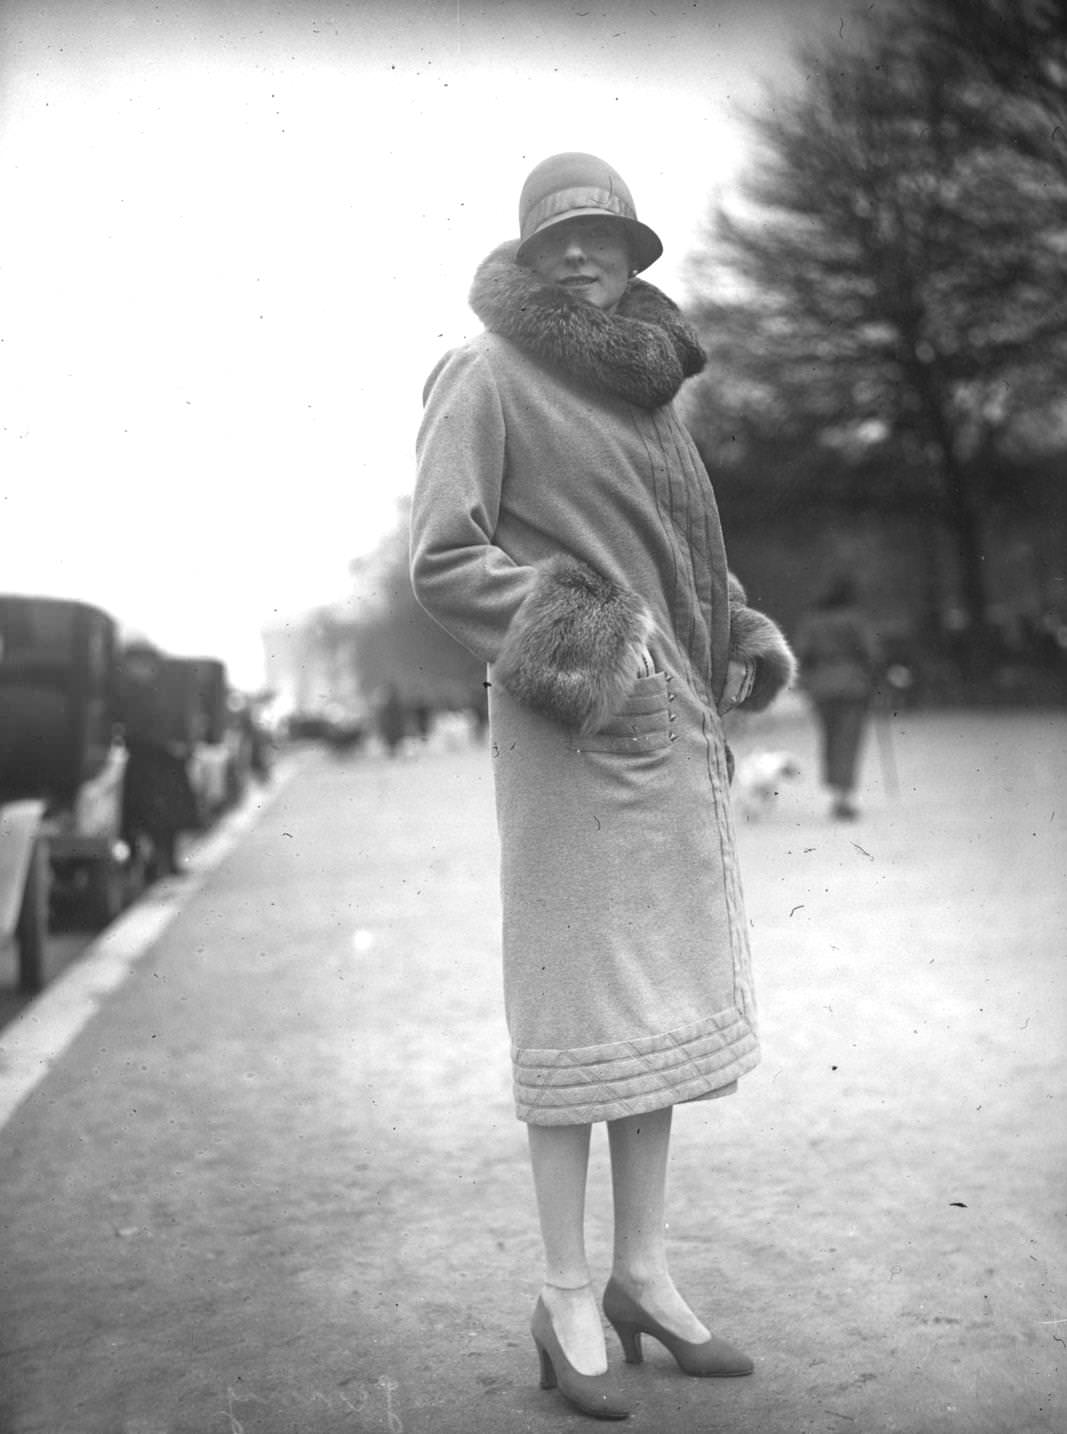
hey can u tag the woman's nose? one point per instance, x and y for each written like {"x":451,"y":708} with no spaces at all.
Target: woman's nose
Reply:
{"x":574,"y":248}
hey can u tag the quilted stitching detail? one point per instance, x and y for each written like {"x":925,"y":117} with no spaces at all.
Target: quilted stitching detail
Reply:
{"x":607,"y":1082}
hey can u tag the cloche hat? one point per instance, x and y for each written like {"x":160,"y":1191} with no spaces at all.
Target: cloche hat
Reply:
{"x":565,"y":186}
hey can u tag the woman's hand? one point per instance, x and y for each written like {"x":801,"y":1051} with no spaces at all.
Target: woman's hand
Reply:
{"x":740,"y":679}
{"x":645,"y":665}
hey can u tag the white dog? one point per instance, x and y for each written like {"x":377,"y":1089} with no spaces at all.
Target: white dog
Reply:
{"x":757,"y":779}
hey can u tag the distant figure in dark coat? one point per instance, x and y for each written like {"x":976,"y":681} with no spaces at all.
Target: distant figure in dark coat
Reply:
{"x":840,"y":661}
{"x":392,"y":720}
{"x":158,"y":801}
{"x":423,"y":716}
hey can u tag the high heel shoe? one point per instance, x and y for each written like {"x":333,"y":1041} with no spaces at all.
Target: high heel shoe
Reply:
{"x":591,"y":1393}
{"x":708,"y":1359}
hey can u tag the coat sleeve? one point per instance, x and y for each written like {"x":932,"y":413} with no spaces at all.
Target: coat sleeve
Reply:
{"x":467,"y":584}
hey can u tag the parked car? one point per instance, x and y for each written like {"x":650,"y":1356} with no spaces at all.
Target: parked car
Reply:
{"x":60,"y":751}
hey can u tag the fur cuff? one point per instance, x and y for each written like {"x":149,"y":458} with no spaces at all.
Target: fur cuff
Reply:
{"x":755,"y":638}
{"x":573,"y":650}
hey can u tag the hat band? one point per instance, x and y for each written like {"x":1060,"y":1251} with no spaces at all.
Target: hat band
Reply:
{"x":565,"y":200}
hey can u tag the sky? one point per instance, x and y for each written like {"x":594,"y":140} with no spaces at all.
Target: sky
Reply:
{"x":235,"y":237}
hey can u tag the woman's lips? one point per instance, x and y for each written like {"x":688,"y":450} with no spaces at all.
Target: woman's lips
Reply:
{"x":578,"y":281}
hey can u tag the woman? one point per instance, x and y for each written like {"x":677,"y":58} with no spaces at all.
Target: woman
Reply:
{"x":564,"y":530}
{"x":840,"y":661}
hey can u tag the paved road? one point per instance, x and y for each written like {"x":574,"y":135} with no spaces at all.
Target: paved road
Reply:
{"x":63,"y":950}
{"x":70,"y":934}
{"x":275,"y":1184}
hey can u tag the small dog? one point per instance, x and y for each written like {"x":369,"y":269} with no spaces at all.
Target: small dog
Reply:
{"x":758,"y":776}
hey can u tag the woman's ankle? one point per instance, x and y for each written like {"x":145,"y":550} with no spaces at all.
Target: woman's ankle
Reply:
{"x":575,"y":1318}
{"x":637,"y":1277}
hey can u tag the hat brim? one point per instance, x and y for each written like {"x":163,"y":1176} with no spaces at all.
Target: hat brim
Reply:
{"x":644,"y":243}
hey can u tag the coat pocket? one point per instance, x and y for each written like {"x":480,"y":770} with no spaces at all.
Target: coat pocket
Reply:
{"x":642,"y":724}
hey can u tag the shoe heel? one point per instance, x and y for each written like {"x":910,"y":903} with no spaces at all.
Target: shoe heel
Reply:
{"x":630,"y":1339}
{"x":548,"y":1374}
{"x":593,"y":1394}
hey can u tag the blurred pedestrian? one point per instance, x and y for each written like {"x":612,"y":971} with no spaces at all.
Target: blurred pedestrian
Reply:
{"x":422,"y":715}
{"x":565,"y":531}
{"x":158,"y":802}
{"x":392,"y":719}
{"x":840,"y":663}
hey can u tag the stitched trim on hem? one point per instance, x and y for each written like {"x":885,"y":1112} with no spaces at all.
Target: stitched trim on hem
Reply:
{"x":575,"y":1087}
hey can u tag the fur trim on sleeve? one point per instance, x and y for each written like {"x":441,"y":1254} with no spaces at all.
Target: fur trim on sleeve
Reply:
{"x":573,"y":649}
{"x":754,"y":637}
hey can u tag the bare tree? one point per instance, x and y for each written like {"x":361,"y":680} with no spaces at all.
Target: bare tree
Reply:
{"x":891,"y":277}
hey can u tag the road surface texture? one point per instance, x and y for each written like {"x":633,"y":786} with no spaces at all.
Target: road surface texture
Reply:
{"x":275,"y":1185}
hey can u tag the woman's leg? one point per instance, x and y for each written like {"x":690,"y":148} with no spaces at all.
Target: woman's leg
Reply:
{"x":824,"y":725}
{"x":559,"y":1158}
{"x":640,"y":1145}
{"x":849,"y":717}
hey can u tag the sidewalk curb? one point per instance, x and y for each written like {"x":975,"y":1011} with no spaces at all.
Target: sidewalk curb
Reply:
{"x":35,"y":1040}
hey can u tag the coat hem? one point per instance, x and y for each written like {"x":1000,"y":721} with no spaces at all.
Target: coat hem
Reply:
{"x":608,"y":1082}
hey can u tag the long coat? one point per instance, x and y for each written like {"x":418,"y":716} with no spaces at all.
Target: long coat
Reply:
{"x":564,"y":533}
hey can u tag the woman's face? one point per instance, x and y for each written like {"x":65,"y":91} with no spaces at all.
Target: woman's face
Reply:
{"x":587,"y":256}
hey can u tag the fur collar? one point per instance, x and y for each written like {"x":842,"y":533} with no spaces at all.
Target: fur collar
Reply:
{"x":642,"y":352}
